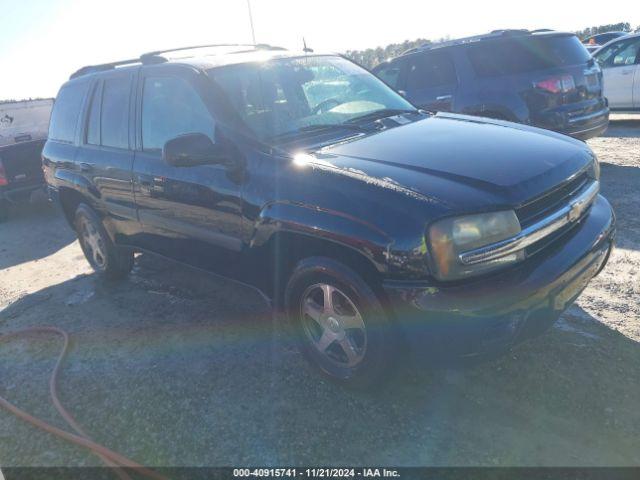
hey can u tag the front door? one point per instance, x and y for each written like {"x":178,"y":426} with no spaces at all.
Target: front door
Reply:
{"x":192,"y":214}
{"x":430,"y":81}
{"x":619,"y":67}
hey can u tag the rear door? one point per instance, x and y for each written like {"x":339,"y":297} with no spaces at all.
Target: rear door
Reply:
{"x":105,"y":157}
{"x":619,"y":63}
{"x":430,"y":80}
{"x":192,"y":214}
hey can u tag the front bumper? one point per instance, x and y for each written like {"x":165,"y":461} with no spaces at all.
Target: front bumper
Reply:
{"x":488,"y":314}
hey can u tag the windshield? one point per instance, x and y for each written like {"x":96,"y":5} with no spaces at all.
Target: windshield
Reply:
{"x":285,"y":96}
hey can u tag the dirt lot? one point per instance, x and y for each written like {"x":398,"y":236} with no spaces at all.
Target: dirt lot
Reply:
{"x":173,"y":367}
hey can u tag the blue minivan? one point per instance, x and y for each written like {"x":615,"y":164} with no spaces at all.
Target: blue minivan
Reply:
{"x":542,"y":78}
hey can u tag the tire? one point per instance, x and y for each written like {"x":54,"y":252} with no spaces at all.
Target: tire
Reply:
{"x":107,"y":259}
{"x":352,"y":341}
{"x":4,"y":211}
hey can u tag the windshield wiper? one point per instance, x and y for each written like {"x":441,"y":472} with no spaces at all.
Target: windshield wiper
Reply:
{"x":379,"y":114}
{"x":319,"y":127}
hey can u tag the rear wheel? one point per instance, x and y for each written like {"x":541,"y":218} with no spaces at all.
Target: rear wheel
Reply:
{"x":106,"y":258}
{"x":342,"y":328}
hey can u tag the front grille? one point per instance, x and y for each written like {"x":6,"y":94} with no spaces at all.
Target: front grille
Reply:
{"x":543,"y":205}
{"x":550,"y":240}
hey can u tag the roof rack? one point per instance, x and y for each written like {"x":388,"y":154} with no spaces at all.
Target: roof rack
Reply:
{"x":102,"y":67}
{"x":475,"y":38}
{"x":157,"y":57}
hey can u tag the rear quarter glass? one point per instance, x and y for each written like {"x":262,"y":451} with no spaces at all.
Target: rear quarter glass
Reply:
{"x":66,"y":111}
{"x":525,"y":54}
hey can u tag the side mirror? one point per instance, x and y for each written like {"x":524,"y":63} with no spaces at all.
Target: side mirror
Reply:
{"x":192,"y":149}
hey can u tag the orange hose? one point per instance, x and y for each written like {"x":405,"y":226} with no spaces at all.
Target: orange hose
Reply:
{"x":109,"y":457}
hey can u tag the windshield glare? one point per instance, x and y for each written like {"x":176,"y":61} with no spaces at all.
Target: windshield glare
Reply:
{"x":282,"y":96}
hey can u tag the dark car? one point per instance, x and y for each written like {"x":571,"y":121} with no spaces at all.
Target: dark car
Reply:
{"x":23,"y":127}
{"x":542,"y":78}
{"x":20,"y":174}
{"x":371,"y":223}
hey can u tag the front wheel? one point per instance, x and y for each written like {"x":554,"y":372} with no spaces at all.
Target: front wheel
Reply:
{"x":106,"y":258}
{"x":341,"y":325}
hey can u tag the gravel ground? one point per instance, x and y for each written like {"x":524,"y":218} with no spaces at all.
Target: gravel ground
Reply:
{"x":173,"y":367}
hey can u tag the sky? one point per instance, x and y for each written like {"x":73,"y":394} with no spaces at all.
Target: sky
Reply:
{"x":43,"y":41}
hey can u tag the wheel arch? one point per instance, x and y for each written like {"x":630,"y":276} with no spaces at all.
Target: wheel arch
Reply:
{"x":287,"y":234}
{"x":70,"y":198}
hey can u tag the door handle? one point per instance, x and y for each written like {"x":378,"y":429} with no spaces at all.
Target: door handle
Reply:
{"x":85,"y":167}
{"x":627,"y":72}
{"x":444,"y":98}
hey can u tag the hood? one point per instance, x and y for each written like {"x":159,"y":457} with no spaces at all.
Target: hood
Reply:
{"x":458,"y":159}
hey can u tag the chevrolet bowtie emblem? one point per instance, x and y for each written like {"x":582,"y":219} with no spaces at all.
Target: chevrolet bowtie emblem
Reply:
{"x":575,"y":211}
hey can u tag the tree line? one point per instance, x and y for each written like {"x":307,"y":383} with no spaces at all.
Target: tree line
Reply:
{"x":371,"y":57}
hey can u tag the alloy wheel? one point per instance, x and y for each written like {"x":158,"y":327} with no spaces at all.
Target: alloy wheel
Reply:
{"x":333,"y":325}
{"x":93,"y":242}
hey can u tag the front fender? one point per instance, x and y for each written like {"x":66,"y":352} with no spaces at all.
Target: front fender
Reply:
{"x":333,"y":226}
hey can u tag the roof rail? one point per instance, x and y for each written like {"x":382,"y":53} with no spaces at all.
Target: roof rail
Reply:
{"x":156,"y":57}
{"x":475,"y":38}
{"x":102,"y":67}
{"x":511,"y":31}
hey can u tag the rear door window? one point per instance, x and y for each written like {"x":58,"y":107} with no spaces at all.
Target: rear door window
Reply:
{"x":525,"y":54}
{"x":428,"y":70}
{"x":66,"y":112}
{"x":114,"y":118}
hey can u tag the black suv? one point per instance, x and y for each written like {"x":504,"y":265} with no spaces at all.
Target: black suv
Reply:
{"x":371,"y":223}
{"x":541,"y":78}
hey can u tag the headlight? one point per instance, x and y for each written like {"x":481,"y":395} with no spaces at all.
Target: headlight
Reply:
{"x":452,"y":236}
{"x":596,"y":168}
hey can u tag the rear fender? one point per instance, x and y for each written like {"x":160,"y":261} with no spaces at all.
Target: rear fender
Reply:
{"x":69,"y":179}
